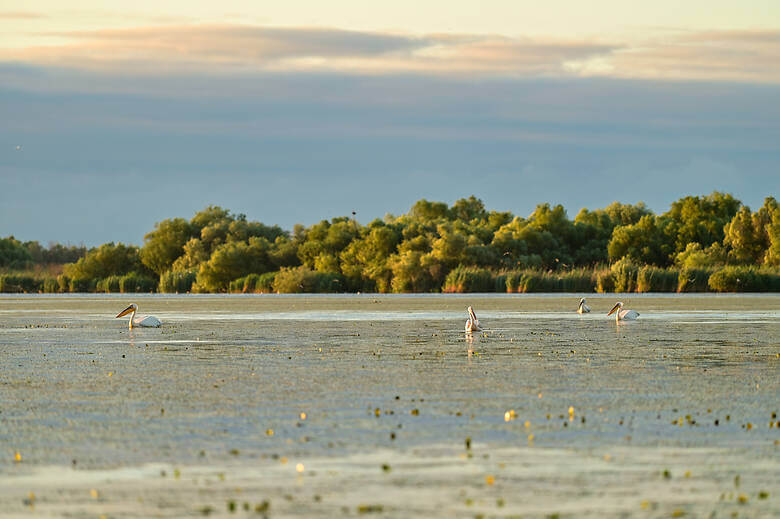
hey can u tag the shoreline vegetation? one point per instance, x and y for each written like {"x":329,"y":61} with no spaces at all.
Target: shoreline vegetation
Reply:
{"x":710,"y":243}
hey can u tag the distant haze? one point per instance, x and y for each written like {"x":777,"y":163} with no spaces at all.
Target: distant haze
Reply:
{"x":110,"y":126}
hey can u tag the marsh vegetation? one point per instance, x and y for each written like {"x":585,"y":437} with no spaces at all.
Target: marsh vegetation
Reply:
{"x":702,"y":243}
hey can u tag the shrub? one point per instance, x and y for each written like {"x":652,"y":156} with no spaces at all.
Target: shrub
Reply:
{"x":63,"y":283}
{"x":106,"y":260}
{"x":265,"y":284}
{"x":655,"y":279}
{"x":532,"y":281}
{"x":50,"y":285}
{"x":237,"y":285}
{"x":468,"y":279}
{"x":13,"y":254}
{"x":524,"y":281}
{"x":135,"y":282}
{"x":693,"y":280}
{"x":577,"y":280}
{"x":254,"y":284}
{"x":109,"y":284}
{"x":304,"y":280}
{"x":14,"y":283}
{"x":625,"y":273}
{"x":605,"y":281}
{"x":513,"y":281}
{"x":176,"y":281}
{"x":82,"y":285}
{"x":744,"y":279}
{"x":231,"y":261}
{"x":250,"y":283}
{"x":499,"y":282}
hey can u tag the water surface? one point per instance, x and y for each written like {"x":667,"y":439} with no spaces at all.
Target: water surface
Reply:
{"x":405,"y":415}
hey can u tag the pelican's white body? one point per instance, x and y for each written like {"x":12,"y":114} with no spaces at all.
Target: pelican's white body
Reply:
{"x":145,"y":321}
{"x":472,"y":324}
{"x":582,"y":308}
{"x":623,"y":315}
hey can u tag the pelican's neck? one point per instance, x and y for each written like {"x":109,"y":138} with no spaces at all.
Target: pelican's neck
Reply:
{"x":617,"y":315}
{"x":132,"y":318}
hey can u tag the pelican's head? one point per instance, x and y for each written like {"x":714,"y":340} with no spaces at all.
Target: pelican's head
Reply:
{"x":132,"y":308}
{"x":471,"y":313}
{"x":582,"y":302}
{"x":615,"y":308}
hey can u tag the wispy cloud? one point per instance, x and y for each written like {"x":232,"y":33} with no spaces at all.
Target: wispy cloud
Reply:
{"x":231,"y":47}
{"x":20,"y":15}
{"x":707,"y":55}
{"x":188,"y":47}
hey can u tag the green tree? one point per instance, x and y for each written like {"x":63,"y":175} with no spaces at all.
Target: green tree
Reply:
{"x":195,"y":253}
{"x":284,"y":253}
{"x":322,"y":243}
{"x":365,"y":261}
{"x":745,"y":237}
{"x":648,"y":241}
{"x":700,"y":219}
{"x":13,"y":254}
{"x":410,"y":266}
{"x":696,"y":257}
{"x":593,"y":230}
{"x":772,"y":255}
{"x":107,"y":260}
{"x":426,"y":211}
{"x":166,"y":243}
{"x":469,"y":209}
{"x":231,"y":261}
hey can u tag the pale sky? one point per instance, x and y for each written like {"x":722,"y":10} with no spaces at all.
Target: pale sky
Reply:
{"x":295,"y":111}
{"x":560,"y":18}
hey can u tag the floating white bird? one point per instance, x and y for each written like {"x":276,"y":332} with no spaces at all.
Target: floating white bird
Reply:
{"x":472,"y":324}
{"x":623,"y":315}
{"x":148,"y":321}
{"x":582,"y":308}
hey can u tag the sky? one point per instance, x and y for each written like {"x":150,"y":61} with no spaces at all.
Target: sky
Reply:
{"x":117,"y":115}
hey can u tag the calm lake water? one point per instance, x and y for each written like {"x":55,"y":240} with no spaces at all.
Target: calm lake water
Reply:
{"x":374,"y":405}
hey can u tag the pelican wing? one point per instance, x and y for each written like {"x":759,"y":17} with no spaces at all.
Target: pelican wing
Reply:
{"x":148,"y":321}
{"x":628,"y":315}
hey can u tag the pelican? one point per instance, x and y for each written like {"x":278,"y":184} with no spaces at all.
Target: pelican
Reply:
{"x":472,"y":325}
{"x":147,"y":321}
{"x":623,"y":315}
{"x":582,"y":308}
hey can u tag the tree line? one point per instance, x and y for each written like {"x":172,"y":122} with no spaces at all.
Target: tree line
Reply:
{"x":701,"y":243}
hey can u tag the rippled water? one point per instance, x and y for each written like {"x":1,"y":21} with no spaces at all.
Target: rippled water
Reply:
{"x":392,"y":391}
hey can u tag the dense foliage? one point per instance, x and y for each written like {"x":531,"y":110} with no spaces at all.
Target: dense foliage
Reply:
{"x":702,"y":243}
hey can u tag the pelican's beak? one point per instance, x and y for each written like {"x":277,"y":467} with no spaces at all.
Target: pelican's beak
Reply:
{"x":613,"y":309}
{"x":125,"y":311}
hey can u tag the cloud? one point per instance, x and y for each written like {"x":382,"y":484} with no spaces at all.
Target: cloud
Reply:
{"x":752,"y":56}
{"x":20,"y":15}
{"x":252,"y":48}
{"x":209,"y":46}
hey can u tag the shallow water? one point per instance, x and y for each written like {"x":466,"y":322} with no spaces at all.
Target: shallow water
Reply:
{"x":213,"y":400}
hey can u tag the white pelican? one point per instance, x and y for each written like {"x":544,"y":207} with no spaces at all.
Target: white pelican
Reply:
{"x":472,"y":325}
{"x":148,"y":321}
{"x":623,"y":315}
{"x":582,"y":308}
